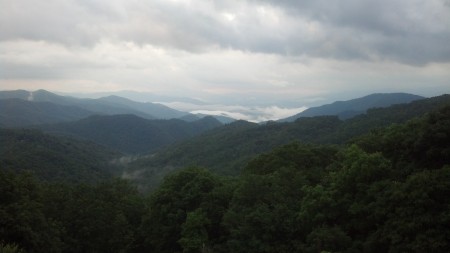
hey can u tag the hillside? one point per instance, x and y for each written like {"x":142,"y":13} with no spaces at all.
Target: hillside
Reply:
{"x":109,"y":105}
{"x":384,"y":191}
{"x":20,"y":113}
{"x":389,"y":197}
{"x":227,"y":149}
{"x":350,"y":108}
{"x":131,"y":134}
{"x":158,"y":111}
{"x":387,"y":191}
{"x":54,"y":158}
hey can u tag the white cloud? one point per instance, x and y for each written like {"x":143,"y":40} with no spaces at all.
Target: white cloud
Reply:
{"x":249,"y":113}
{"x":233,"y":115}
{"x":254,"y":114}
{"x":252,"y":53}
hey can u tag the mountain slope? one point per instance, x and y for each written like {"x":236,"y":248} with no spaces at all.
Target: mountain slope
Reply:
{"x":227,"y":149}
{"x":55,"y":158}
{"x":350,"y":108}
{"x":109,"y":105}
{"x":132,"y":134}
{"x":20,"y":113}
{"x":20,"y":94}
{"x":157,"y":110}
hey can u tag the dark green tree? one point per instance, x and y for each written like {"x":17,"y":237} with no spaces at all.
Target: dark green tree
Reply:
{"x":263,"y":214}
{"x":194,"y":233}
{"x":22,"y":219}
{"x":96,"y":218}
{"x":174,"y":221}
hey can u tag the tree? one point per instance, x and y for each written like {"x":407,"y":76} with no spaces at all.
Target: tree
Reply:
{"x":96,"y":218}
{"x":189,"y":203}
{"x":22,"y":220}
{"x":263,"y":214}
{"x":194,"y":234}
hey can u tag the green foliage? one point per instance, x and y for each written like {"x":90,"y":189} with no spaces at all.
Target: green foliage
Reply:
{"x":194,"y":232}
{"x":185,"y":212}
{"x":386,"y":192}
{"x":333,"y":239}
{"x":263,"y":212}
{"x":10,"y":248}
{"x":227,"y":150}
{"x":68,"y":218}
{"x":419,"y":214}
{"x":22,"y":219}
{"x":376,"y":118}
{"x":54,"y":158}
{"x":131,"y":134}
{"x":421,"y":143}
{"x":359,"y":204}
{"x":98,"y":218}
{"x":309,"y":159}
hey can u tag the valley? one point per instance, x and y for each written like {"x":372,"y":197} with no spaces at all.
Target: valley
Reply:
{"x":182,"y":183}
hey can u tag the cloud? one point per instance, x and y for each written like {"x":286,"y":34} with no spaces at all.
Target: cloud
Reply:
{"x":252,"y":53}
{"x":224,"y":76}
{"x":407,"y":31}
{"x":411,"y":32}
{"x":249,"y":113}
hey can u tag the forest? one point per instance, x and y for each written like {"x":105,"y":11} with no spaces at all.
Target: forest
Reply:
{"x":383,"y":191}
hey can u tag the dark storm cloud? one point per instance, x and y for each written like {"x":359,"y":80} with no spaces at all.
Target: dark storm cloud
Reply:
{"x":413,"y":32}
{"x":408,"y":31}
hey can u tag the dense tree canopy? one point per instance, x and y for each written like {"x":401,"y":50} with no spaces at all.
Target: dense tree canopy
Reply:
{"x":386,"y":191}
{"x":54,"y":158}
{"x":226,"y":150}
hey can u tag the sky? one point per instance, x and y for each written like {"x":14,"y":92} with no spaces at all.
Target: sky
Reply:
{"x":266,"y":58}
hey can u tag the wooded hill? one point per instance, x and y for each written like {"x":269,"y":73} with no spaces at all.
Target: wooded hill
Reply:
{"x":350,"y":108}
{"x":226,"y":150}
{"x":385,"y":191}
{"x":131,"y":134}
{"x":57,"y":159}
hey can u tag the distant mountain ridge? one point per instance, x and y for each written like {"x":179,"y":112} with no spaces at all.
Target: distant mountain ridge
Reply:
{"x":350,"y":108}
{"x":158,"y":111}
{"x":107,"y":105}
{"x":137,"y":96}
{"x":15,"y":112}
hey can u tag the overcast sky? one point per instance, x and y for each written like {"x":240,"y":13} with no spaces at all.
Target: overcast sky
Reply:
{"x":226,"y":51}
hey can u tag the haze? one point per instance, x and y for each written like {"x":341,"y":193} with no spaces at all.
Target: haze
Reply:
{"x":256,"y":59}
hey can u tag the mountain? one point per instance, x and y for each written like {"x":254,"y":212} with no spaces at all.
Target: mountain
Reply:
{"x":156,"y":110}
{"x":221,"y":118}
{"x":227,"y":149}
{"x":19,"y":113}
{"x":197,"y":116}
{"x":131,"y":134}
{"x":109,"y":105}
{"x":387,"y":191}
{"x":138,"y":96}
{"x":350,"y":108}
{"x":20,"y":94}
{"x":55,"y":158}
